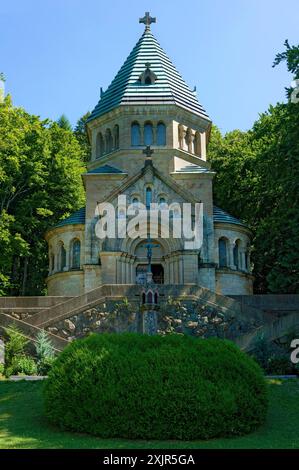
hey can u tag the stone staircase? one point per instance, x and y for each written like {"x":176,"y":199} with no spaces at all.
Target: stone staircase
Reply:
{"x":31,"y":314}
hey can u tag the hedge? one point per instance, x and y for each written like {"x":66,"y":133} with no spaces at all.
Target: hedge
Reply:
{"x":155,"y":387}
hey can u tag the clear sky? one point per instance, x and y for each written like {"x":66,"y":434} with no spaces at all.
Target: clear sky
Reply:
{"x":56,"y":54}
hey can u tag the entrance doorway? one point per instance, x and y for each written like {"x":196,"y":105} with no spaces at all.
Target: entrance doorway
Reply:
{"x":157,"y":271}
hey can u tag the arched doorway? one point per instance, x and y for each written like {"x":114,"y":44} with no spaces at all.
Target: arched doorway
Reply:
{"x":157,"y":263}
{"x":157,"y":271}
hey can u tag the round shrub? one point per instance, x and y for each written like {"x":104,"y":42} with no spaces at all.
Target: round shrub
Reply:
{"x":155,"y":387}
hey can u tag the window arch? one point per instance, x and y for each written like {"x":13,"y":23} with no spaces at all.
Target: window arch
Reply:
{"x":108,"y":141}
{"x":150,"y":297}
{"x":116,"y":136}
{"x":236,"y":254}
{"x":62,"y":257}
{"x":161,"y":133}
{"x":135,"y":134}
{"x":52,"y":262}
{"x":99,"y":145}
{"x":148,"y":197}
{"x":75,"y":253}
{"x":135,"y":202}
{"x":148,"y":133}
{"x":222,"y":248}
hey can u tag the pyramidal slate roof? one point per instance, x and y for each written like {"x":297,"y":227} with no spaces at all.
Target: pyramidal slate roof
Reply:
{"x":169,"y":87}
{"x":192,"y":168}
{"x":77,"y":217}
{"x":219,"y":215}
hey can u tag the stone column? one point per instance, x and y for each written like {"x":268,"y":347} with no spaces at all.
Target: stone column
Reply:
{"x":231,"y":256}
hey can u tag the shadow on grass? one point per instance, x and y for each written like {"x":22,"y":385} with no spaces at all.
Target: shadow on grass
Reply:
{"x":24,"y":426}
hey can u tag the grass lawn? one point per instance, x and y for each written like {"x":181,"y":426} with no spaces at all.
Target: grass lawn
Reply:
{"x":22,"y":424}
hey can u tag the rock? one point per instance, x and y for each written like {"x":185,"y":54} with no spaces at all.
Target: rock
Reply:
{"x":97,"y":323}
{"x":69,"y":325}
{"x":192,"y":324}
{"x":52,"y":329}
{"x":64,"y":333}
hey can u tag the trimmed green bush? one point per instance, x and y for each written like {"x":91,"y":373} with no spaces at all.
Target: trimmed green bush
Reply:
{"x":21,"y":365}
{"x":155,"y":387}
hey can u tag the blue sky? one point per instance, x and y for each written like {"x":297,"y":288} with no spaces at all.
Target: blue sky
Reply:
{"x":56,"y":54}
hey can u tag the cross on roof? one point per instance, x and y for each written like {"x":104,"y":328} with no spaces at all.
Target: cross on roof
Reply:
{"x":147,"y":20}
{"x":148,"y":152}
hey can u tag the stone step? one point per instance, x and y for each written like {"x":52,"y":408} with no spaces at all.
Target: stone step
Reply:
{"x":30,"y":331}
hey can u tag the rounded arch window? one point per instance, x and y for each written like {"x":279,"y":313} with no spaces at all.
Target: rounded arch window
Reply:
{"x":99,"y":145}
{"x":62,"y":257}
{"x":76,"y":252}
{"x":148,"y":197}
{"x":161,"y":134}
{"x":116,"y":136}
{"x":109,"y":141}
{"x":135,"y":201}
{"x":135,"y":134}
{"x":148,"y":133}
{"x":222,"y":248}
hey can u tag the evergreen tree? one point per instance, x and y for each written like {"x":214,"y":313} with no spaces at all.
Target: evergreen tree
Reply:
{"x":64,"y":123}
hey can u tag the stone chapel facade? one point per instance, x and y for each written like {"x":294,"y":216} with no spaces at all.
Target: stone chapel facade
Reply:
{"x":148,"y":104}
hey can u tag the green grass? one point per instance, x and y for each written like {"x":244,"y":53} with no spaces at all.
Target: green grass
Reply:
{"x":23,"y":425}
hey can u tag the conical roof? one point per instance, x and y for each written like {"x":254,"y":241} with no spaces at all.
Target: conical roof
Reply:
{"x":169,"y":86}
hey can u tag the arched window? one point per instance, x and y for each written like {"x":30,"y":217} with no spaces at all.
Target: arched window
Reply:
{"x":99,"y":145}
{"x":51,"y":263}
{"x":76,"y":250}
{"x":143,"y":297}
{"x":150,"y":297}
{"x":62,"y":256}
{"x":135,"y":134}
{"x":116,"y":136}
{"x":161,"y":134}
{"x":135,"y":202}
{"x":109,"y":141}
{"x":222,"y":247}
{"x":236,"y":254}
{"x":148,"y":197}
{"x":156,"y":298}
{"x":148,"y":133}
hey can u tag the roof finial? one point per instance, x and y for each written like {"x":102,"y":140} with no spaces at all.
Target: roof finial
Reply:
{"x":147,"y":20}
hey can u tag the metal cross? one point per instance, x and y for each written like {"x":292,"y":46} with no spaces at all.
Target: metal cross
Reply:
{"x":149,"y":246}
{"x":147,"y":20}
{"x":148,"y":152}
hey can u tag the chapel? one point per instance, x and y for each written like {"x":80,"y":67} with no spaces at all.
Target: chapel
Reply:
{"x":149,"y":135}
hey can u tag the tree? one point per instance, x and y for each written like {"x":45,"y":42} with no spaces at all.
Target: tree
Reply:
{"x":40,"y":183}
{"x":64,"y":123}
{"x":82,"y":137}
{"x":258,"y":180}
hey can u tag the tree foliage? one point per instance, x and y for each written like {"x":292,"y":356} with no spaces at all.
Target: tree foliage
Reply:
{"x":40,"y":183}
{"x":258,"y":180}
